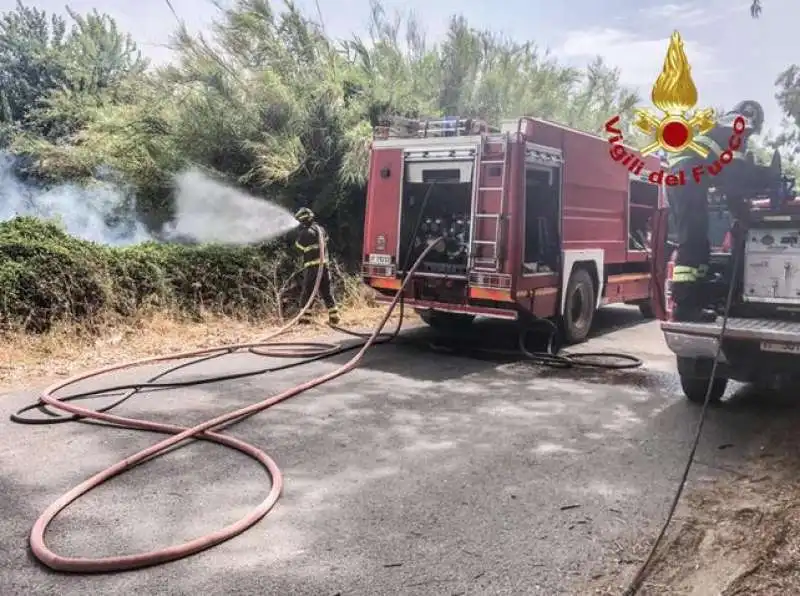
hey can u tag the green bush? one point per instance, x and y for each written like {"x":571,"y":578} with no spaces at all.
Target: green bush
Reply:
{"x":47,"y":276}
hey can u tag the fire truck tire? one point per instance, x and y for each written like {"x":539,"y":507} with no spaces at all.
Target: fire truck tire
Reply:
{"x":695,"y":377}
{"x":579,"y":307}
{"x":445,"y":321}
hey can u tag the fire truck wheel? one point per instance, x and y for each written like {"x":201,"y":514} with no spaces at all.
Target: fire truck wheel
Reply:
{"x":694,"y":388}
{"x":695,"y":376}
{"x":445,"y":321}
{"x":579,"y":307}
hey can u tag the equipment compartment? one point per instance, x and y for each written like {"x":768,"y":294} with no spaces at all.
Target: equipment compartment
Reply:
{"x":772,"y":266}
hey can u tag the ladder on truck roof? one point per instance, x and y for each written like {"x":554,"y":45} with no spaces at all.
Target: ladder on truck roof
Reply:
{"x":494,"y":210}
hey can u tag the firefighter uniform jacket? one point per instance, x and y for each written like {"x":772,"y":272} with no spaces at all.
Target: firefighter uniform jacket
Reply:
{"x":308,"y":243}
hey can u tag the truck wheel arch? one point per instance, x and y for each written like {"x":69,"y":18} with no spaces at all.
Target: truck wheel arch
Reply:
{"x":593,"y":261}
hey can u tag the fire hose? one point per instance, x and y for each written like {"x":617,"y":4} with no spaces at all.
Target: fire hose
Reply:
{"x":205,"y":431}
{"x":209,"y":430}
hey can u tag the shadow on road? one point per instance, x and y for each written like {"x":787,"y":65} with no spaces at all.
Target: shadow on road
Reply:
{"x":759,"y":419}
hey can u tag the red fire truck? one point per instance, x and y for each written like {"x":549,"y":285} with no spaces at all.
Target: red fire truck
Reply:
{"x":538,"y":220}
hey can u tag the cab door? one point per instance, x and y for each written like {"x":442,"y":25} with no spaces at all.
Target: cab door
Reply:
{"x":660,"y":253}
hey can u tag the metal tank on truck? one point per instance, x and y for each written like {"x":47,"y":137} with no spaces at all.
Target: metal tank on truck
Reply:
{"x":539,"y":222}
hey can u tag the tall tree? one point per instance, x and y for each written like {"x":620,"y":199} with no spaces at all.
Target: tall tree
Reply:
{"x":32,"y":61}
{"x":49,"y":68}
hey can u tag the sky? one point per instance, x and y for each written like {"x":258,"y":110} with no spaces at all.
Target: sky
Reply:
{"x":733,"y":56}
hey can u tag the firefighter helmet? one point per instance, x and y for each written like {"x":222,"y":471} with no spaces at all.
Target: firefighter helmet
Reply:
{"x":304,"y":215}
{"x":753,"y":114}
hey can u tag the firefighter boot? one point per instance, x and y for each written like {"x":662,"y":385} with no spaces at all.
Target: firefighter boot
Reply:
{"x":333,"y":316}
{"x":689,"y":300}
{"x":305,"y":319}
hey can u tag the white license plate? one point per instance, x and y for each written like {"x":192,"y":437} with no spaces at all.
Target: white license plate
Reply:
{"x":380,"y":260}
{"x":774,"y":346}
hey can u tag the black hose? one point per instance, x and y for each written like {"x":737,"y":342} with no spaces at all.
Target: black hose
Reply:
{"x":129,"y":390}
{"x":642,"y":572}
{"x":405,"y":262}
{"x":551,"y":357}
{"x":556,"y":359}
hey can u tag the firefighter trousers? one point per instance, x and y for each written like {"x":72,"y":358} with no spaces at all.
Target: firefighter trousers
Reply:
{"x":309,"y":279}
{"x":690,"y":208}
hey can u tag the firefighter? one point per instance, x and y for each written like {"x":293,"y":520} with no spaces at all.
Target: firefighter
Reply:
{"x":308,"y":243}
{"x":689,"y":203}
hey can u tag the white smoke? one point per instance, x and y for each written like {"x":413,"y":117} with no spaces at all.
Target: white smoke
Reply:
{"x":206,"y":210}
{"x":92,"y":213}
{"x":209,"y":211}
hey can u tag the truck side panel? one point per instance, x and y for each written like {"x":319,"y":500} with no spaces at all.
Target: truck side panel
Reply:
{"x":595,"y":199}
{"x":383,"y":202}
{"x":595,"y":194}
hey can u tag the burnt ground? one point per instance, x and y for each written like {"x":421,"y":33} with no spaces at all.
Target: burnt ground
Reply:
{"x":429,"y":470}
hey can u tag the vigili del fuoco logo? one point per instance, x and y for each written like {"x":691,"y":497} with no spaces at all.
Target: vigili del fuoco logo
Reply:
{"x":676,"y":131}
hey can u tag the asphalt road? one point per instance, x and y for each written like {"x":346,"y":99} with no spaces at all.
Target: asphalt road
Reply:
{"x":420,"y":473}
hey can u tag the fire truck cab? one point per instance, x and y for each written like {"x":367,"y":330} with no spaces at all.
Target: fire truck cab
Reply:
{"x":539,"y":222}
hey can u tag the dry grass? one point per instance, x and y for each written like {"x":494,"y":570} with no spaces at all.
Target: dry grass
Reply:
{"x":34,"y":360}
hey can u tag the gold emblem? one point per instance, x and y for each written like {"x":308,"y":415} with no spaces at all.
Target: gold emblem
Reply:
{"x":674,"y":93}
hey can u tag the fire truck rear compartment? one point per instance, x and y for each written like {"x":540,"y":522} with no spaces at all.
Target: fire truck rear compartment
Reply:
{"x":439,"y":205}
{"x":542,"y":246}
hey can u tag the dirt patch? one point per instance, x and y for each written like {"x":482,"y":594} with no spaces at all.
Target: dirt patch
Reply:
{"x":737,"y":536}
{"x":33,"y":360}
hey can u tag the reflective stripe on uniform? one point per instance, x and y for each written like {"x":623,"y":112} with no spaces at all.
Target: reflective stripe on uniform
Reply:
{"x":306,"y":248}
{"x":311,"y":263}
{"x":682,"y":273}
{"x":333,"y":310}
{"x":683,"y":277}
